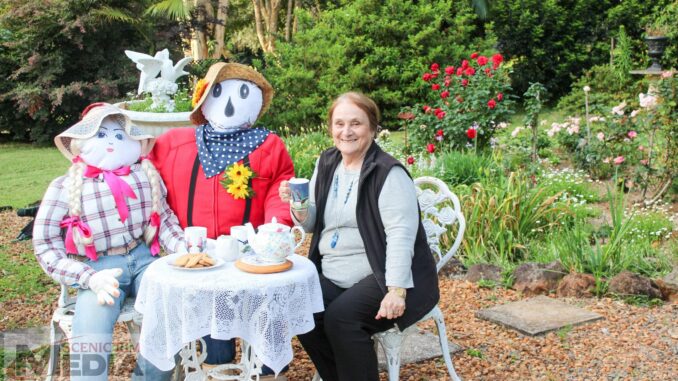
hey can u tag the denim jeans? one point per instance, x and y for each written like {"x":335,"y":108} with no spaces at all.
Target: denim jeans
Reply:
{"x":93,"y":323}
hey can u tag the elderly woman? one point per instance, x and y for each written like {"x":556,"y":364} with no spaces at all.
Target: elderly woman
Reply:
{"x":369,"y":245}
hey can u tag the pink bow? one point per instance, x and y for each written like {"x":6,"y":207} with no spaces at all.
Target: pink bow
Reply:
{"x":84,"y":230}
{"x":119,"y":187}
{"x":155,"y":245}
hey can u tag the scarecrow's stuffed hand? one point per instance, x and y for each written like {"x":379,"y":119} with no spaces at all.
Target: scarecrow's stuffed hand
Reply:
{"x":105,"y":285}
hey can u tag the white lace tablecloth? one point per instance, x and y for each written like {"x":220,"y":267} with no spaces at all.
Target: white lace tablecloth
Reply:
{"x":266,"y":310}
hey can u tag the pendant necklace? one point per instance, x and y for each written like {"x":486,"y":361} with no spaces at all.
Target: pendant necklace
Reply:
{"x":335,"y":194}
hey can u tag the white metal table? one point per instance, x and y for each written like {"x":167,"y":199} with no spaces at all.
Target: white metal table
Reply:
{"x":265,"y":310}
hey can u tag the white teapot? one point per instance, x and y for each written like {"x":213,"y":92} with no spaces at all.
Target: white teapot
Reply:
{"x":274,"y":241}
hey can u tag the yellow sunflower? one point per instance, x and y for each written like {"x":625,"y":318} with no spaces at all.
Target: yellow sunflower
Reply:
{"x":238,"y":190}
{"x":199,"y":91}
{"x":239,"y":174}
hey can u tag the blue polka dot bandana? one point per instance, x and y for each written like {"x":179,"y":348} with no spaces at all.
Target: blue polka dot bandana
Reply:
{"x":218,"y":150}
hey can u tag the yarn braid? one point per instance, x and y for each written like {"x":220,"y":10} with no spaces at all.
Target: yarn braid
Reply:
{"x":75,"y":176}
{"x":156,"y":196}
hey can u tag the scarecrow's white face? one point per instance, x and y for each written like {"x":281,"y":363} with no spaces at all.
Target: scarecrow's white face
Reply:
{"x":232,"y":103}
{"x":111,"y":147}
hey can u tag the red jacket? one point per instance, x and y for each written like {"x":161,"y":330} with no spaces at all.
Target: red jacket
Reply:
{"x":174,"y":154}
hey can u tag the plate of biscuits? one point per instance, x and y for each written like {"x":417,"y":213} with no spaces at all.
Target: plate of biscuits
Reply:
{"x":192,"y":262}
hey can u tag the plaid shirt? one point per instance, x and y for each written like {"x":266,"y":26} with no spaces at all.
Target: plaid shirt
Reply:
{"x":100,"y":213}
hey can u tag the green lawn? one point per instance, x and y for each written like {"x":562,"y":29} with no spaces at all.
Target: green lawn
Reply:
{"x":27,"y":171}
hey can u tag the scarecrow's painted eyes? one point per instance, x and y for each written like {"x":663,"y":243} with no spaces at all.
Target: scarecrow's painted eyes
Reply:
{"x":118,"y":136}
{"x":216,"y":91}
{"x":101,"y":135}
{"x":244,"y":91}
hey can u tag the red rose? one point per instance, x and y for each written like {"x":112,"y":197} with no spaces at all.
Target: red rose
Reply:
{"x":437,"y":111}
{"x":474,"y":56}
{"x":426,"y":77}
{"x":482,"y":60}
{"x":464,"y":64}
{"x":460,"y":71}
{"x":435,"y":87}
{"x":435,"y":67}
{"x":434,"y":74}
{"x":430,"y":147}
{"x":497,"y":59}
{"x":445,"y":94}
{"x":440,"y":115}
{"x":427,"y":109}
{"x":464,"y":82}
{"x":410,"y":160}
{"x":439,"y":133}
{"x":471,"y":133}
{"x":491,"y":104}
{"x":449,"y":70}
{"x":470,"y":71}
{"x":500,"y":97}
{"x":488,"y":71}
{"x":459,"y":99}
{"x":447,"y":82}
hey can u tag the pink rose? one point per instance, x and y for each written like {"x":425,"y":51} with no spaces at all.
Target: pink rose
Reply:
{"x":632,"y":134}
{"x":618,"y":160}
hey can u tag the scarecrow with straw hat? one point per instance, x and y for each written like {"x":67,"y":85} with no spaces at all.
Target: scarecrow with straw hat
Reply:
{"x":99,"y":227}
{"x":225,"y":172}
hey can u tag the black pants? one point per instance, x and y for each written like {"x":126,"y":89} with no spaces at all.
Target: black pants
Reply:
{"x":340,"y":345}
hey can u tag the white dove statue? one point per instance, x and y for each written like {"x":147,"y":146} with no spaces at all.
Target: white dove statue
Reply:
{"x":164,"y":86}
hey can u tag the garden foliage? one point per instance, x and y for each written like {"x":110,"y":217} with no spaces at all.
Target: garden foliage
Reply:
{"x":377,"y":47}
{"x":553,"y":42}
{"x":58,"y":57}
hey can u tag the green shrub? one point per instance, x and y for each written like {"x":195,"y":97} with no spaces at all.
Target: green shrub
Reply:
{"x":377,"y":47}
{"x":305,"y":148}
{"x":573,"y":186}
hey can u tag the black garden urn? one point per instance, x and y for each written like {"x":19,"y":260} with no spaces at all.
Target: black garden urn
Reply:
{"x":655,"y":49}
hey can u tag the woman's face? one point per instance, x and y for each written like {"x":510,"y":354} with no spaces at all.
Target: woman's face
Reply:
{"x":351,"y":130}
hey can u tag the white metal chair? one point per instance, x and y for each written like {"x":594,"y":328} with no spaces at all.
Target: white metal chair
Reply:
{"x":438,"y":217}
{"x":62,"y":321}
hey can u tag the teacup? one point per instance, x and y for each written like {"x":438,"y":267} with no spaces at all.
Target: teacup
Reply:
{"x":196,"y":239}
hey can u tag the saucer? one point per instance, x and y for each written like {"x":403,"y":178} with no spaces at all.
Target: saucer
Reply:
{"x":254,"y":264}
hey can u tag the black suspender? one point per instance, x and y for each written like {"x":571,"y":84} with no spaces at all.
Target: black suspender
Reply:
{"x":191,"y":191}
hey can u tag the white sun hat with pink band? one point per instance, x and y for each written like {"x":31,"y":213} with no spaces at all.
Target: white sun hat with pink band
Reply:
{"x":89,"y":124}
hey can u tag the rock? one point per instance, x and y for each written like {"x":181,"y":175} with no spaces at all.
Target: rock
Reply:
{"x":484,"y":271}
{"x":538,"y":278}
{"x":453,"y":268}
{"x":628,"y":283}
{"x":577,"y":285}
{"x":669,"y":286}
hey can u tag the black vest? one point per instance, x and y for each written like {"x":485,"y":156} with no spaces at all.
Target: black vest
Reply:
{"x":375,"y":168}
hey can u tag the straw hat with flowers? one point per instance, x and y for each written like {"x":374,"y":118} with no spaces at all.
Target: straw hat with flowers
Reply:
{"x":220,"y":72}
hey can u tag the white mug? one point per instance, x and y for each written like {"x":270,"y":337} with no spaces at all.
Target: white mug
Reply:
{"x":227,"y":248}
{"x":239,"y":232}
{"x":196,"y":239}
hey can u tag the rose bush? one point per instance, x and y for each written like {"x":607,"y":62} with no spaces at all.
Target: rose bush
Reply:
{"x":470,"y":94}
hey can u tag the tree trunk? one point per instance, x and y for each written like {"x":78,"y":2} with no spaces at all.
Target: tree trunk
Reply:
{"x":266,"y":22}
{"x":199,"y":38}
{"x":220,"y":28}
{"x":288,"y":21}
